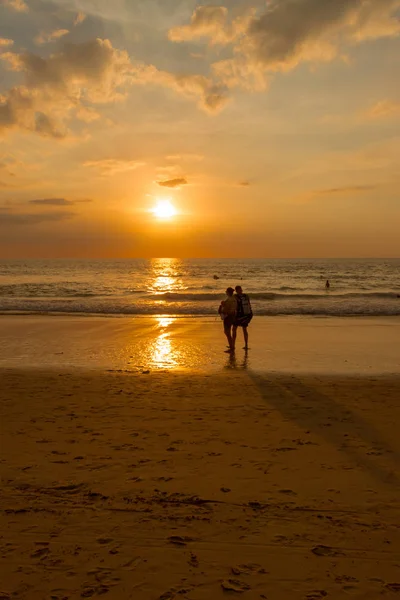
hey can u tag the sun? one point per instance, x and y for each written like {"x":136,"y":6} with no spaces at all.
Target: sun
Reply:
{"x":164,"y":210}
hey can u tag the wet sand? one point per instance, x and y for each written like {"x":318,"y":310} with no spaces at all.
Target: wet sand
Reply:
{"x":143,"y":482}
{"x":353,"y":345}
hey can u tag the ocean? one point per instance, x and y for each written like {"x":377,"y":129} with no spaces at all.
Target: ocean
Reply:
{"x":196,"y":286}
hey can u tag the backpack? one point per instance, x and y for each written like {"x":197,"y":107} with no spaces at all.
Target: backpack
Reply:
{"x":244,"y":306}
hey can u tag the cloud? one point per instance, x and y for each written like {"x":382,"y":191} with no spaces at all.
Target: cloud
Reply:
{"x":384,"y":108}
{"x":52,"y":202}
{"x":351,"y":189}
{"x":278,"y":37}
{"x":211,"y":96}
{"x":61,"y":86}
{"x":244,"y":183}
{"x":5,"y":43}
{"x":18,"y":5}
{"x":45,"y":38}
{"x":80,"y":17}
{"x":289,"y":32}
{"x":94,"y":66}
{"x":87,"y":114}
{"x":46,"y":126}
{"x":185,"y":157}
{"x":66,"y":84}
{"x":113,"y":166}
{"x":58,"y":201}
{"x":173,"y":183}
{"x":211,"y":22}
{"x":7,"y":218}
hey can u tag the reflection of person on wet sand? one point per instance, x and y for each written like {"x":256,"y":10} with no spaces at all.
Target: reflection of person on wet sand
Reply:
{"x":234,"y":364}
{"x":227,"y":311}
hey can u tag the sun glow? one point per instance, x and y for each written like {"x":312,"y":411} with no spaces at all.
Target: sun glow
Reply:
{"x":164,"y":210}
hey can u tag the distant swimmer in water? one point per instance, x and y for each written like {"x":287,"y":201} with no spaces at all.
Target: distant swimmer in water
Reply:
{"x":216,"y":277}
{"x":327,"y":285}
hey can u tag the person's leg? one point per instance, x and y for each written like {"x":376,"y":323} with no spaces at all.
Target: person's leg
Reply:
{"x":230,"y":340}
{"x":246,"y":338}
{"x":228,"y":333}
{"x":234,"y":333}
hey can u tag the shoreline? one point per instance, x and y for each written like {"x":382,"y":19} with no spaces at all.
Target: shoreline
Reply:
{"x":189,"y":316}
{"x":277,"y":344}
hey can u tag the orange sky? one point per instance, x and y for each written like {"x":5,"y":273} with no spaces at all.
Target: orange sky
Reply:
{"x":273,"y":128}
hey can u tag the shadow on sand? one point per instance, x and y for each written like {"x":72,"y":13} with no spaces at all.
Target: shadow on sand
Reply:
{"x":324,"y":415}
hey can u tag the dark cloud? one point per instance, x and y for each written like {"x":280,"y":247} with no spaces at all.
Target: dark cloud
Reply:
{"x":65,"y":84}
{"x":33,"y":219}
{"x":52,"y":202}
{"x":93,"y":71}
{"x":58,"y":201}
{"x":292,"y":30}
{"x":244,"y":183}
{"x":173,"y":183}
{"x":46,"y":126}
{"x":289,"y":32}
{"x":351,"y":189}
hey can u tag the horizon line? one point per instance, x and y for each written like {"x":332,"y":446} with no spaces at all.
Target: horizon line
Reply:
{"x":202,"y":258}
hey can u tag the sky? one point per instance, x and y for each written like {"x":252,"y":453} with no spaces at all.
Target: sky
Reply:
{"x":273,"y":128}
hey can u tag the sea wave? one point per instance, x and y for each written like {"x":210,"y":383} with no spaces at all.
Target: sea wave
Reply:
{"x":327,"y":296}
{"x":63,"y":290}
{"x":88,"y":307}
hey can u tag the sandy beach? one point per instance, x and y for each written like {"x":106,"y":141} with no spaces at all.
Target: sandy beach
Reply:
{"x":138,"y":461}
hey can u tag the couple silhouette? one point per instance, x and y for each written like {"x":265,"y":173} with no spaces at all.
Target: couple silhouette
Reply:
{"x":235,"y":311}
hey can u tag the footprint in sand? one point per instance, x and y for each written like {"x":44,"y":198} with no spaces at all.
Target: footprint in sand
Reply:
{"x":345,"y":579}
{"x":194,"y":561}
{"x":175,"y":593}
{"x":288,"y":492}
{"x":41,"y":553}
{"x":179,"y":540}
{"x":167,"y":596}
{"x":104,"y":541}
{"x":95,"y":591}
{"x":248,"y":569}
{"x":326,"y":551}
{"x":235,"y":585}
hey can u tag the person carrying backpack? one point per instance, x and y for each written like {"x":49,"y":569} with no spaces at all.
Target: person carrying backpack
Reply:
{"x":244,"y":315}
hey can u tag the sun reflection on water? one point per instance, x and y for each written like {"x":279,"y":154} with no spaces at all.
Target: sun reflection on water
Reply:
{"x":164,"y":352}
{"x":166,"y":275}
